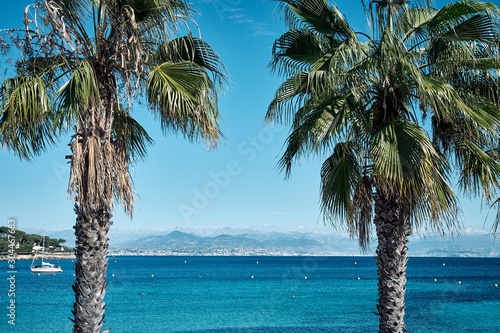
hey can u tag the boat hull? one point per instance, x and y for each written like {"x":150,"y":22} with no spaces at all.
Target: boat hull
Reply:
{"x":46,"y":269}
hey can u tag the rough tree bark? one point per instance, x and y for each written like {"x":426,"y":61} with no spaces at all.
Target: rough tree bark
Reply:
{"x":392,"y":260}
{"x":91,"y":230}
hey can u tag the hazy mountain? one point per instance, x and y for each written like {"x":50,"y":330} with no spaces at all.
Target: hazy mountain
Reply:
{"x":178,"y":241}
{"x":466,"y":245}
{"x":228,"y":241}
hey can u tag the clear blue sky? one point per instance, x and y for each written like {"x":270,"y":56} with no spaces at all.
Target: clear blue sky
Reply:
{"x":185,"y":185}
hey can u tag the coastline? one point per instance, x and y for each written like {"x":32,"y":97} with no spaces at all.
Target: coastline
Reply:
{"x":31,"y":256}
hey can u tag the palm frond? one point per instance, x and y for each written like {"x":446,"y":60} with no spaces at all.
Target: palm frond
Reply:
{"x":25,"y":116}
{"x":480,"y":172}
{"x":436,"y":206}
{"x":297,"y":91}
{"x":184,"y":98}
{"x":127,"y":130}
{"x":147,"y":20}
{"x":472,"y":18}
{"x":290,"y":95}
{"x":400,"y":151}
{"x":77,"y":95}
{"x":295,"y":51}
{"x":346,"y":193}
{"x":477,"y":27}
{"x":189,"y":48}
{"x":317,"y":15}
{"x":339,"y":176}
{"x":75,"y":10}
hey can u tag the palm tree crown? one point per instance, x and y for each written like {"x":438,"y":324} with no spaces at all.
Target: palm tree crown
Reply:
{"x":395,"y":111}
{"x":365,"y":99}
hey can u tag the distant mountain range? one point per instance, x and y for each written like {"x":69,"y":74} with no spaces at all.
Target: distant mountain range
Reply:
{"x":229,"y":241}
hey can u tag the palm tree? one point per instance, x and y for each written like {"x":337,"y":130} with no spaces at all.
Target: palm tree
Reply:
{"x":395,"y":112}
{"x":83,"y":66}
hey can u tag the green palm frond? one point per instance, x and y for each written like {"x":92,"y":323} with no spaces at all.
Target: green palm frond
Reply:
{"x":401,"y":152}
{"x":315,"y":128}
{"x":340,"y":174}
{"x":143,"y":9}
{"x":317,"y":16}
{"x":440,"y":97}
{"x":437,"y":205}
{"x":77,"y":95}
{"x":410,"y":25}
{"x":25,"y":116}
{"x":480,"y":171}
{"x":148,"y":20}
{"x":406,"y":164}
{"x":171,"y":11}
{"x":126,"y":129}
{"x":346,"y":192}
{"x":297,"y":12}
{"x":471,"y":110}
{"x":496,"y":222}
{"x":189,"y":48}
{"x":296,"y":50}
{"x":477,"y":27}
{"x":316,"y":29}
{"x":289,"y":96}
{"x":468,"y":17}
{"x":184,"y":98}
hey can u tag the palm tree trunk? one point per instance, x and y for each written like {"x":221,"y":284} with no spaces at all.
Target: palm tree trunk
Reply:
{"x":91,"y":230}
{"x":392,"y":260}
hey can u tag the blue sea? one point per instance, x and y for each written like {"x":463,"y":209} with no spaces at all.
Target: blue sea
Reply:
{"x":260,"y":294}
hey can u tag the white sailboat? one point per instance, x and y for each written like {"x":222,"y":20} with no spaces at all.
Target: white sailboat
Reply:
{"x":44,"y":266}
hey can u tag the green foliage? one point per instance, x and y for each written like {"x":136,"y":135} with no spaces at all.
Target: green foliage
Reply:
{"x":395,"y":111}
{"x":27,"y":241}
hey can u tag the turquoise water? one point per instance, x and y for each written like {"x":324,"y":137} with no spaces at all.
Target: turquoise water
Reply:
{"x":261,"y":294}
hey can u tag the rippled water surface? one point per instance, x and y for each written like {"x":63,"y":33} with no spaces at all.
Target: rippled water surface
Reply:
{"x":262,"y":294}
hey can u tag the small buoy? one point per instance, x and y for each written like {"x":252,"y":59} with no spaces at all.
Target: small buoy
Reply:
{"x":305,"y":277}
{"x":435,"y":280}
{"x":444,"y":264}
{"x":359,"y":278}
{"x":459,"y":282}
{"x":355,"y":263}
{"x":293,"y":296}
{"x":185,"y":261}
{"x":115,"y":260}
{"x":257,"y":262}
{"x":252,"y":276}
{"x":496,"y":285}
{"x":152,"y":275}
{"x":112,"y":275}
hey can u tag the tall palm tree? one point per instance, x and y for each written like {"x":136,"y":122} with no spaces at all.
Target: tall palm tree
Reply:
{"x":83,"y":65}
{"x":394,"y":111}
